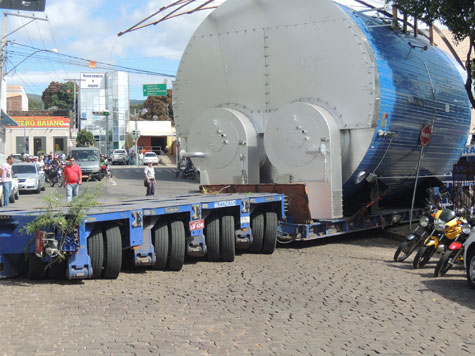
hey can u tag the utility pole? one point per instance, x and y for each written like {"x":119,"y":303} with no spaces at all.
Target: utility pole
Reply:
{"x":2,"y":59}
{"x":74,"y":80}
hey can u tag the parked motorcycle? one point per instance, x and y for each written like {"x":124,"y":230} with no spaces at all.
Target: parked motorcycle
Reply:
{"x":447,"y":227}
{"x":415,"y":239}
{"x":56,"y":176}
{"x":454,"y":253}
{"x":105,"y":170}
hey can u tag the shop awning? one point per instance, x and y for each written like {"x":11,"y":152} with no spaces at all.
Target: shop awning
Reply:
{"x":7,"y":120}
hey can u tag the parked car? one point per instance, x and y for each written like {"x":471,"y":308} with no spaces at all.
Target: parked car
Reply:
{"x":150,"y":157}
{"x":469,"y":258}
{"x":120,"y":156}
{"x":14,"y":194}
{"x":30,"y":177}
{"x":89,"y":160}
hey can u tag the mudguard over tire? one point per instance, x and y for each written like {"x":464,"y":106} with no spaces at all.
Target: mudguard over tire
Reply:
{"x":161,"y":243}
{"x":95,"y":250}
{"x":423,"y":256}
{"x":176,"y":257}
{"x":257,"y":227}
{"x":445,"y":263}
{"x":228,"y":239}
{"x":112,"y":252}
{"x":211,"y":232}
{"x":36,"y":267}
{"x":404,"y":251}
{"x":270,"y":233}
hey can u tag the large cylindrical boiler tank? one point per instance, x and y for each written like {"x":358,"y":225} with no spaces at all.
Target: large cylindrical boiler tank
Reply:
{"x":312,"y":92}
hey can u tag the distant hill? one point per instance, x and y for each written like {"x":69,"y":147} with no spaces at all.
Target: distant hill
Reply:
{"x":35,"y":97}
{"x":136,"y":102}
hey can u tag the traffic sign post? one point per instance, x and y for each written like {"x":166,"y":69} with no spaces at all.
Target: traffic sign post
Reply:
{"x":154,"y":90}
{"x":426,"y":135}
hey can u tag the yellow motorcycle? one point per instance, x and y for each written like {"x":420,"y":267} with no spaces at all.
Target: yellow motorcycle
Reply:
{"x":447,"y":227}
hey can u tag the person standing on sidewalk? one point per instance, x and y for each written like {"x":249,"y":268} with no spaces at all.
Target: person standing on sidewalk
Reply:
{"x":150,"y":179}
{"x":72,"y":179}
{"x":6,"y":172}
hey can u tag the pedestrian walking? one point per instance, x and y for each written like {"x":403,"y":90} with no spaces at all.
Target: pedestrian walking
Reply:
{"x":72,"y":179}
{"x":6,"y":173}
{"x":150,"y":179}
{"x":141,"y":158}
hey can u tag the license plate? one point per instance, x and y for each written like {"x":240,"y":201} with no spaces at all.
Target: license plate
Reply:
{"x":197,"y":225}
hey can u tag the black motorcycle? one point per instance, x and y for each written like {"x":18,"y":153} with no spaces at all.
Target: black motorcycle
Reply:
{"x":417,"y":237}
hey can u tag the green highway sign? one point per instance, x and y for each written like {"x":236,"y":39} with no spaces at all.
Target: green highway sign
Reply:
{"x":154,"y":90}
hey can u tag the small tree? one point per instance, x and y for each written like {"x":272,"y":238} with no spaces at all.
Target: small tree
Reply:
{"x":84,"y":139}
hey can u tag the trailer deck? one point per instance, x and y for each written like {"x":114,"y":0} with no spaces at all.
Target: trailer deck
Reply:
{"x":146,"y":232}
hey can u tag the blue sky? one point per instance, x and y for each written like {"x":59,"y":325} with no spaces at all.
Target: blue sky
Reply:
{"x":88,"y":29}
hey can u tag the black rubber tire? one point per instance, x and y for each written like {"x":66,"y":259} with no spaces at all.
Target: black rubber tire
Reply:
{"x":471,"y":268}
{"x":112,"y":252}
{"x":95,"y":250}
{"x":270,"y":233}
{"x":57,"y":270}
{"x":161,"y":243}
{"x":406,"y":248}
{"x":176,"y":256}
{"x":11,"y":199}
{"x":444,"y":264}
{"x":257,"y":228}
{"x":36,"y":267}
{"x":38,"y":190}
{"x":212,"y":238}
{"x":228,"y":239}
{"x":423,"y":256}
{"x":17,"y":195}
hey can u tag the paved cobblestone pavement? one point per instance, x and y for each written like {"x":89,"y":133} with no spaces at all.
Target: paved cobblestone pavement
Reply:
{"x":342,"y":296}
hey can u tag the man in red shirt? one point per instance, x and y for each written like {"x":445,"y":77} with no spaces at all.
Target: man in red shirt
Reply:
{"x":72,"y":179}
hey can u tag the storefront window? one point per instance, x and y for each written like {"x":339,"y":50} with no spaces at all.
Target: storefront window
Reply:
{"x":20,"y":145}
{"x":59,"y":145}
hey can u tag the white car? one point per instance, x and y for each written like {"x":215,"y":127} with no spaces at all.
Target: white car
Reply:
{"x":469,"y":258}
{"x":120,"y":156}
{"x":14,"y":194}
{"x":150,"y":157}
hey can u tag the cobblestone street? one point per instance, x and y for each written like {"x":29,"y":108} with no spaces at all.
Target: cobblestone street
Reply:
{"x":343,"y":296}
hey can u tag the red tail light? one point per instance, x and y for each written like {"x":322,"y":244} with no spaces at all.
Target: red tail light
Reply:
{"x":39,"y":243}
{"x":455,"y":246}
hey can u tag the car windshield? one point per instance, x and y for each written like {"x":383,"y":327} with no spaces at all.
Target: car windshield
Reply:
{"x":24,"y":168}
{"x":150,"y":154}
{"x":85,"y":155}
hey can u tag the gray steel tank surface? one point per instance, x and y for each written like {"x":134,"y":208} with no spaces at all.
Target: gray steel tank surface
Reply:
{"x":309,"y":91}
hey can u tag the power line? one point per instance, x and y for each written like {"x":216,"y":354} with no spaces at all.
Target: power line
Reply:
{"x":99,"y":65}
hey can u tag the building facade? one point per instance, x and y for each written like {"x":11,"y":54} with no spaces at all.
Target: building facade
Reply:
{"x":38,"y":133}
{"x":104,"y":108}
{"x":17,"y":100}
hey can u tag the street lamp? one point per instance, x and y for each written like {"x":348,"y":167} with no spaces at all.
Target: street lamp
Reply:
{"x":54,"y":50}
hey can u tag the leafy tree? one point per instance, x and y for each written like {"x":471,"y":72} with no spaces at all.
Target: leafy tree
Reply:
{"x":458,"y":16}
{"x":60,"y":95}
{"x":160,"y":106}
{"x":135,"y":108}
{"x":34,"y":104}
{"x":85,"y":139}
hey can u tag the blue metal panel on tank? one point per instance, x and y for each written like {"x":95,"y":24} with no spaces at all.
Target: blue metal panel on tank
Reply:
{"x":419,"y":85}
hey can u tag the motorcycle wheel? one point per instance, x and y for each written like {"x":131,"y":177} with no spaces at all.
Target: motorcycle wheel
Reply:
{"x":445,"y":263}
{"x":404,"y":251}
{"x":423,"y":256}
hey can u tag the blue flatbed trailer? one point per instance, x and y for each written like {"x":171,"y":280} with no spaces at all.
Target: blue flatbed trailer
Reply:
{"x":146,"y":232}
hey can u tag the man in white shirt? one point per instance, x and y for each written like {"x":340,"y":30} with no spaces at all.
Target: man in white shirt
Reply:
{"x":150,"y":179}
